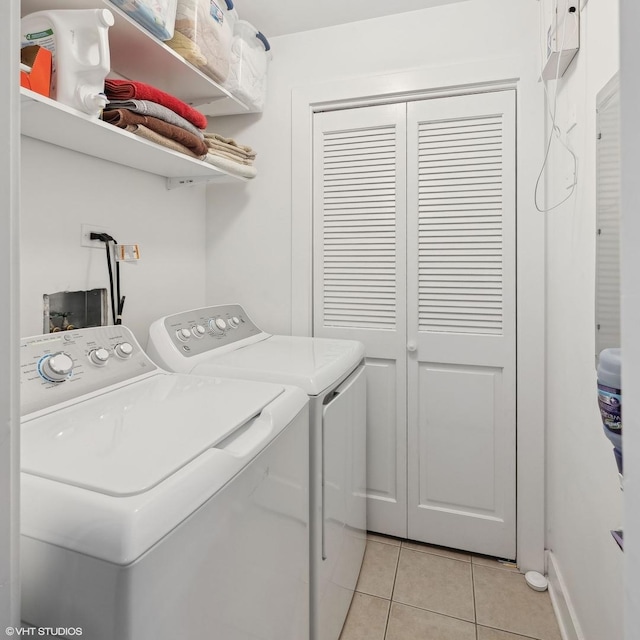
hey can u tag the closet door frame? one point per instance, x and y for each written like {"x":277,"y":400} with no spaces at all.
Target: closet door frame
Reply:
{"x":510,"y":73}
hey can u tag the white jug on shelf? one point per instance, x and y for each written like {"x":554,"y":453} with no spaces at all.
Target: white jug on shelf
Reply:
{"x":79,"y":45}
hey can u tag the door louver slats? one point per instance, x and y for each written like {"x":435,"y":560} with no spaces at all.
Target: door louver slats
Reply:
{"x":460,"y":241}
{"x":607,"y":301}
{"x":359,"y":228}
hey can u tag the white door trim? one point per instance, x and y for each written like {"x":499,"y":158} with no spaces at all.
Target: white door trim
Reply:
{"x":520,"y":73}
{"x":9,"y":290}
{"x":630,"y":263}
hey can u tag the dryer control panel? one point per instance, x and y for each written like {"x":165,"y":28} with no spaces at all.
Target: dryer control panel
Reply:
{"x":58,"y":367}
{"x":201,"y":330}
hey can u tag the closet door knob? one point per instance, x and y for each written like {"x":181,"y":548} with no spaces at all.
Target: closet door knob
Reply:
{"x":412,"y":346}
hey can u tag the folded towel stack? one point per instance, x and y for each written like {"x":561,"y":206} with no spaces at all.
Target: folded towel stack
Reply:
{"x":228,"y":155}
{"x":155,"y":115}
{"x":164,"y":119}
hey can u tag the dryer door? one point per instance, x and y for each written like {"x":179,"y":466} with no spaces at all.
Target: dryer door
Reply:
{"x":344,"y":518}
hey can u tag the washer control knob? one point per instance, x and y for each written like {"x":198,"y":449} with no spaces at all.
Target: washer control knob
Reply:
{"x":198,"y":330}
{"x":214,"y":328}
{"x":221,"y":324}
{"x":234,"y":322}
{"x":99,"y":356}
{"x":123,"y":350}
{"x":183,"y":334}
{"x":56,"y":367}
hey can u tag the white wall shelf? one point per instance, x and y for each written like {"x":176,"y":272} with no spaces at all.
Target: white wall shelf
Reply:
{"x":50,"y":121}
{"x":138,"y":55}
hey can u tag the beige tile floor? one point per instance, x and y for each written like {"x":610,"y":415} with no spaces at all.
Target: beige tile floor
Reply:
{"x":411,"y":591}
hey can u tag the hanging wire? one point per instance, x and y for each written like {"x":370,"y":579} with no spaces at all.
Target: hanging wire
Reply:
{"x":109,"y":268}
{"x":555,"y":129}
{"x":117,"y":301}
{"x":119,"y":298}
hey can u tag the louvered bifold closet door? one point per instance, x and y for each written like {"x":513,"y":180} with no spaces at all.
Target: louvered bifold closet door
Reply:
{"x":608,"y":220}
{"x":359,"y":279}
{"x":461,"y":322}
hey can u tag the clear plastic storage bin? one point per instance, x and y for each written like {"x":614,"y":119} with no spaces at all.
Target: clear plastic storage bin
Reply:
{"x":250,"y":55}
{"x":203,"y":34}
{"x":156,"y":16}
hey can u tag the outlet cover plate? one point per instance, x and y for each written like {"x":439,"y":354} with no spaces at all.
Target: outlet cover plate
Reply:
{"x":86,"y":230}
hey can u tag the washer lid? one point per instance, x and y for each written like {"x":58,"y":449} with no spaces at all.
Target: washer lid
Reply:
{"x":313,"y":364}
{"x":125,"y":441}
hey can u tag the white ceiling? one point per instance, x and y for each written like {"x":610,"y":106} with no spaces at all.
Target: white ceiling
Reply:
{"x":280,"y":17}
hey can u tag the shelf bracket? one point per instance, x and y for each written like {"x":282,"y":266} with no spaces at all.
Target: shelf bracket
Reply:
{"x":174,"y":183}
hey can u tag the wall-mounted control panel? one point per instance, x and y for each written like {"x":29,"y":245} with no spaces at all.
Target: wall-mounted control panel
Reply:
{"x":201,"y":330}
{"x":58,"y":367}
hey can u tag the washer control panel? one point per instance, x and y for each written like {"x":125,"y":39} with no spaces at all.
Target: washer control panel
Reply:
{"x":58,"y":367}
{"x":201,"y":330}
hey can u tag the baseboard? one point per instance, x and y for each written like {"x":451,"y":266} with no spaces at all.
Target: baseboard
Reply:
{"x":565,"y":613}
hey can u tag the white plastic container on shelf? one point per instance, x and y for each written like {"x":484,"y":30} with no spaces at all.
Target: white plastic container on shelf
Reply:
{"x":79,"y":44}
{"x":203,"y":34}
{"x":156,"y":16}
{"x":250,"y":56}
{"x":231,"y":13}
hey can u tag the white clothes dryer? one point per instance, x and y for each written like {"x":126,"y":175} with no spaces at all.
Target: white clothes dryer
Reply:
{"x":158,"y":505}
{"x":223,"y":341}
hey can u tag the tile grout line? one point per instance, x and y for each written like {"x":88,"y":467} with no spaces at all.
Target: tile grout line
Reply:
{"x":438,"y":555}
{"x":492,"y":568}
{"x":385,"y":540}
{"x":428,"y":549}
{"x":473,"y":589}
{"x":393,"y":588}
{"x":519,"y":635}
{"x":444,"y":615}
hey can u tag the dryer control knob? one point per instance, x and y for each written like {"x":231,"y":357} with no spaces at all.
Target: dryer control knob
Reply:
{"x":221,"y":324}
{"x":234,"y":322}
{"x":183,"y":334}
{"x":99,"y":356}
{"x":56,"y":367}
{"x":198,"y":330}
{"x":123,"y":350}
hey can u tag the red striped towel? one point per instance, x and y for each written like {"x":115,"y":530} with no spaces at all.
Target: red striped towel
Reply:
{"x":130,"y":89}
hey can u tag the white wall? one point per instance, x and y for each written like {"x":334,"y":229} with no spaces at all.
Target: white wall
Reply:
{"x":249,"y":233}
{"x":583,"y":495}
{"x":62,"y":189}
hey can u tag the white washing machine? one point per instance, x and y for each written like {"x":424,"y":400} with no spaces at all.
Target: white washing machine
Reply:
{"x":223,"y":341}
{"x":158,"y":505}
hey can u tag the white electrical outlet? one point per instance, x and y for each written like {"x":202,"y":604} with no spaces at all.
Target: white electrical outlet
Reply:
{"x":86,"y":230}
